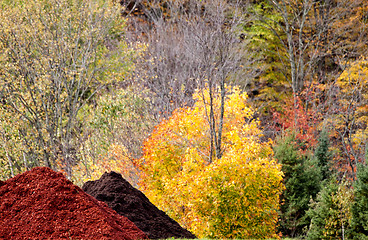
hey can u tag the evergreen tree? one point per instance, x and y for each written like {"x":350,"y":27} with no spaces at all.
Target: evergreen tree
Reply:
{"x":330,"y":213}
{"x":321,"y":210}
{"x":302,"y":182}
{"x":323,"y":156}
{"x":359,"y":221}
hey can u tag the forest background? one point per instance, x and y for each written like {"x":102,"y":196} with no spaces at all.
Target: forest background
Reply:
{"x":240,"y":119}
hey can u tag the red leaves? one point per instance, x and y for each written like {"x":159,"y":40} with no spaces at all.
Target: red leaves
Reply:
{"x":297,"y":119}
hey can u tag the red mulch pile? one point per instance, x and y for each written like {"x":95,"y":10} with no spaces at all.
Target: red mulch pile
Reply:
{"x":43,"y":204}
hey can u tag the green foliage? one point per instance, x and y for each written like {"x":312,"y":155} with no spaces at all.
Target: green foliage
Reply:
{"x":359,"y":221}
{"x":323,"y":156}
{"x":330,"y":212}
{"x":302,"y":182}
{"x":115,"y":127}
{"x":54,"y":57}
{"x":264,"y":34}
{"x":321,"y":210}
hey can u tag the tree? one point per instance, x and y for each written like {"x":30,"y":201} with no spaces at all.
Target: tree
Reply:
{"x":323,"y":156}
{"x":330,"y":213}
{"x":270,"y":85}
{"x":294,"y":15}
{"x":342,"y":35}
{"x":348,"y":117}
{"x":235,"y":196}
{"x":115,"y":126}
{"x":191,"y":45}
{"x":55,"y":56}
{"x":326,"y":33}
{"x":316,"y":40}
{"x":297,"y":120}
{"x":359,"y":221}
{"x":302,"y":182}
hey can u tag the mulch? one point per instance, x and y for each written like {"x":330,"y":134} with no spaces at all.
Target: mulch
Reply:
{"x":128,"y":201}
{"x":43,"y":204}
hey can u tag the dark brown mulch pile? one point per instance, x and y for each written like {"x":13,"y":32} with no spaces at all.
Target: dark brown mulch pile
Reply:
{"x":133,"y":204}
{"x":43,"y":204}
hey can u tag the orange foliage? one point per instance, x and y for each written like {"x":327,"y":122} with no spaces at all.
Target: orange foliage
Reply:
{"x":117,"y":159}
{"x":301,"y":122}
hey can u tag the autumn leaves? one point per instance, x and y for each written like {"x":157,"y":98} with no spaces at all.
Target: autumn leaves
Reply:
{"x":236,"y":196}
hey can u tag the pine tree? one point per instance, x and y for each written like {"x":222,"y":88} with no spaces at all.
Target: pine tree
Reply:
{"x":331,"y":212}
{"x":302,"y":182}
{"x":323,"y":156}
{"x":321,"y":210}
{"x":359,"y":221}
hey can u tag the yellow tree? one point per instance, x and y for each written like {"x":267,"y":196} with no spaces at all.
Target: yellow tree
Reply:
{"x":235,"y":196}
{"x":351,"y":115}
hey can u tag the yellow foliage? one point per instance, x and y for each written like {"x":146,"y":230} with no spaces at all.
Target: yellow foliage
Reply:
{"x":354,"y":76}
{"x":353,"y":83}
{"x":236,"y":196}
